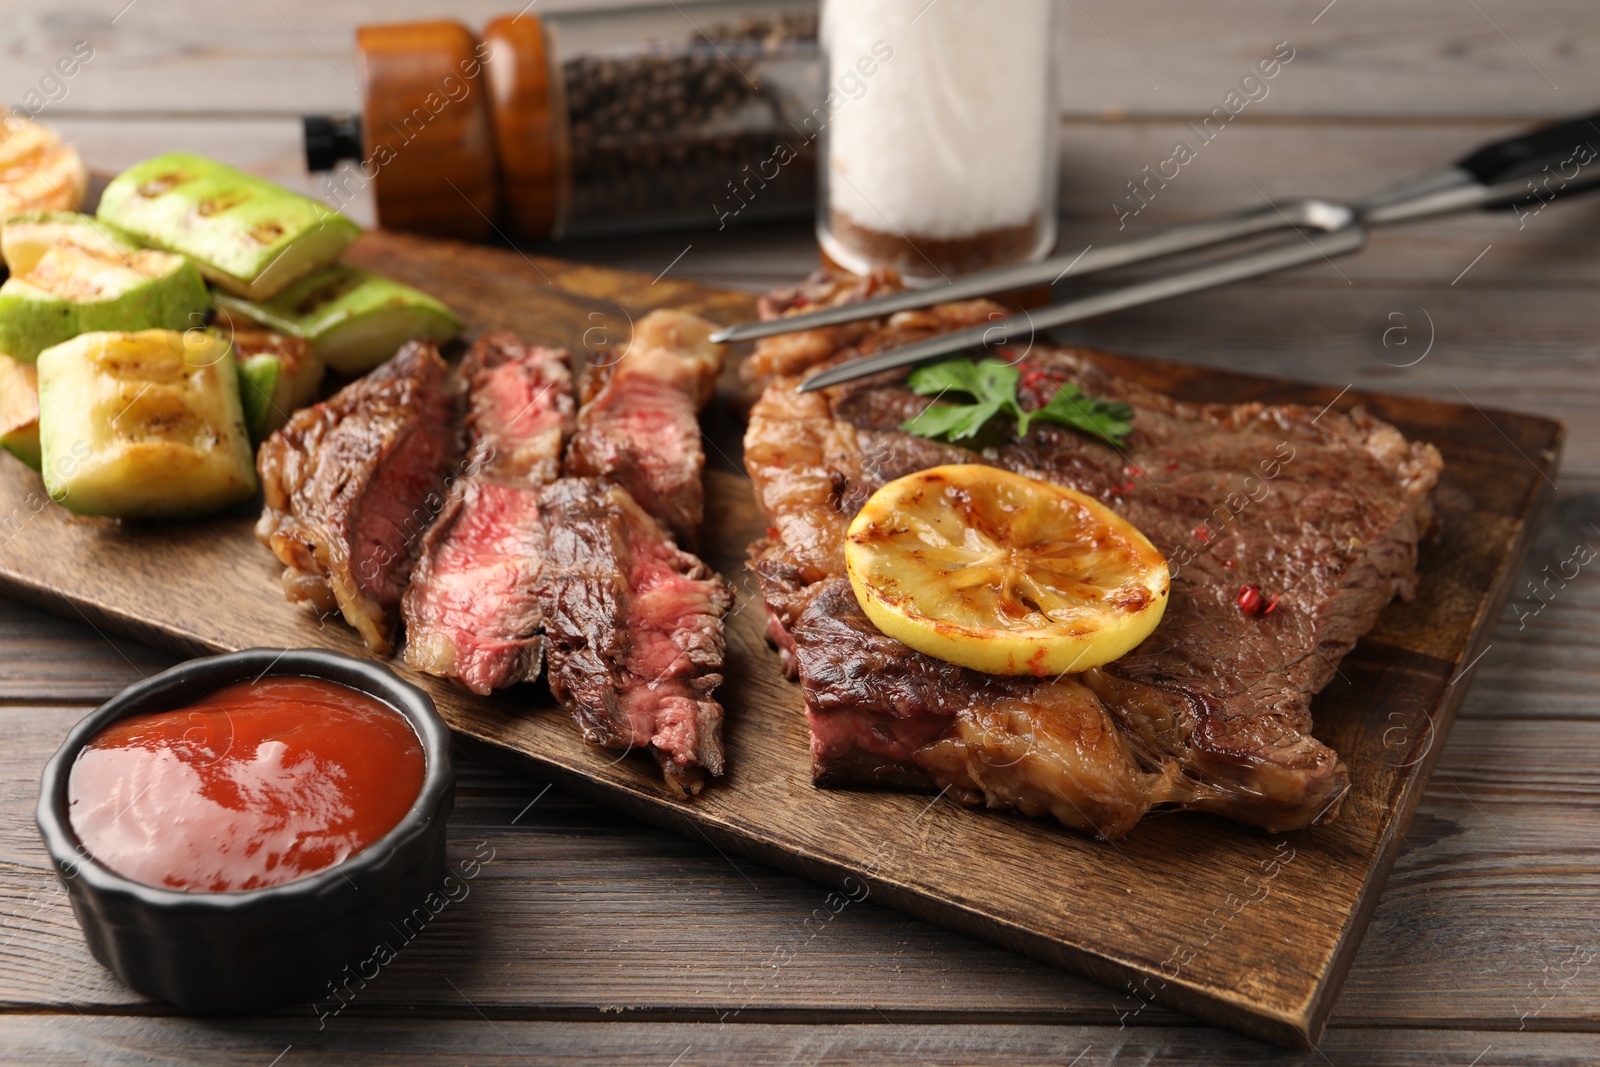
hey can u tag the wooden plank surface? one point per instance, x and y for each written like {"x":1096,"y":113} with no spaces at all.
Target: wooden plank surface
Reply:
{"x":1131,"y":58}
{"x":1468,"y":930}
{"x":1114,"y":913}
{"x":585,"y":914}
{"x":398,"y":1042}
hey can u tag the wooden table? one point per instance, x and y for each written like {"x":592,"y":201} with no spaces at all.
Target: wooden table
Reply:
{"x":592,"y":939}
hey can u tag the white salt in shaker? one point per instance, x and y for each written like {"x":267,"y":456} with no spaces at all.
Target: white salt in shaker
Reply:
{"x":939,"y":135}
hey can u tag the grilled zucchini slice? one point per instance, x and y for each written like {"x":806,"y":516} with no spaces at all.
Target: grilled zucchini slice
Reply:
{"x":19,"y":410}
{"x":143,"y":425}
{"x":353,"y":318}
{"x":246,"y":234}
{"x":75,"y":288}
{"x":25,"y":238}
{"x":277,"y":374}
{"x":37,"y":171}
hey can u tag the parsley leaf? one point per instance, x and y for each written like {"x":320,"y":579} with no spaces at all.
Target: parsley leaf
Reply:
{"x":1109,"y":420}
{"x":992,"y":387}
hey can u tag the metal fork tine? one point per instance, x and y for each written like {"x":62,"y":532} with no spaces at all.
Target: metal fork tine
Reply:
{"x":1189,"y":237}
{"x":1307,"y":249}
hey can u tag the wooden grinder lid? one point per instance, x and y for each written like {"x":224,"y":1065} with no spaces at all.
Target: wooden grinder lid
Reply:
{"x":518,"y":73}
{"x":426,"y":130}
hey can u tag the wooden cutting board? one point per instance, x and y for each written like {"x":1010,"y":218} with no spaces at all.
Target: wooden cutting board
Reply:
{"x":1241,"y":928}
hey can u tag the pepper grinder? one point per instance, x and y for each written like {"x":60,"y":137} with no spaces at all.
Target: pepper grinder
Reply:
{"x":581,"y":123}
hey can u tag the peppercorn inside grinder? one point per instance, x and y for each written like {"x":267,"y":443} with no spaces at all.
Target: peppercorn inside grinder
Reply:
{"x":582,"y":123}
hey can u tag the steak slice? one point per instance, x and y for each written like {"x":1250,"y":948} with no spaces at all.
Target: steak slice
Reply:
{"x":472,"y":611}
{"x":640,"y":426}
{"x":1321,"y":509}
{"x":351,"y":485}
{"x":633,"y":630}
{"x":521,"y":409}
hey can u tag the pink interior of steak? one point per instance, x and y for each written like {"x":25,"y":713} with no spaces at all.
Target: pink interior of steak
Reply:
{"x":670,"y":648}
{"x":642,"y":432}
{"x":401,"y":502}
{"x":522,"y":408}
{"x":633,"y":627}
{"x":471,"y":611}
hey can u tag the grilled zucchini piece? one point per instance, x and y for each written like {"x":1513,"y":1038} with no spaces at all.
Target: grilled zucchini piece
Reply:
{"x":246,"y":234}
{"x":277,"y":374}
{"x":25,"y":238}
{"x":353,"y":318}
{"x":19,"y":410}
{"x":143,"y":425}
{"x":77,"y":288}
{"x":37,"y":171}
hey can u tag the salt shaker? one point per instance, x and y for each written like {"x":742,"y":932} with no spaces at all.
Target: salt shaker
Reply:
{"x":938,"y":135}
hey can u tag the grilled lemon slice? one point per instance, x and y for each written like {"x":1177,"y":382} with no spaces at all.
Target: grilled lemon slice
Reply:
{"x":1002,"y":573}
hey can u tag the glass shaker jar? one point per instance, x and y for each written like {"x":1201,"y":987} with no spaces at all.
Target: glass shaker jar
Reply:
{"x":681,"y":117}
{"x":582,"y":122}
{"x":938,"y":135}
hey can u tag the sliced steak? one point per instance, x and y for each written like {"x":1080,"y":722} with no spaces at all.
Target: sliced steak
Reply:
{"x":521,"y":409}
{"x":353,"y":483}
{"x":639,"y":425}
{"x":1320,"y":509}
{"x":471,"y":611}
{"x":633,"y":630}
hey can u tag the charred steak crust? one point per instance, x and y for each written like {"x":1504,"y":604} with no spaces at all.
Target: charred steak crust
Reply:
{"x":472,"y":611}
{"x":633,"y":630}
{"x":351,"y":485}
{"x":1322,"y":509}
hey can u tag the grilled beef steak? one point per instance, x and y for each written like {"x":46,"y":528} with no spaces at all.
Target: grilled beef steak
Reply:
{"x":352,"y":483}
{"x":639,"y":425}
{"x":471,"y":611}
{"x":1212,"y":712}
{"x":633,"y":630}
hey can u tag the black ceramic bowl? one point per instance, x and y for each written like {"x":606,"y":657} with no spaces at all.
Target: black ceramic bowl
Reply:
{"x":261,"y":948}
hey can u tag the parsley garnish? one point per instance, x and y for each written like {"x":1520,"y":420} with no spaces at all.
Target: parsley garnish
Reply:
{"x":992,"y":385}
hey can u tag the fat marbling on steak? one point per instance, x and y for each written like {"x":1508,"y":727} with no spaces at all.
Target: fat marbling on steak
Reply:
{"x":352,"y":483}
{"x":639,"y":425}
{"x":471,"y":611}
{"x":634,"y":632}
{"x":1212,"y":711}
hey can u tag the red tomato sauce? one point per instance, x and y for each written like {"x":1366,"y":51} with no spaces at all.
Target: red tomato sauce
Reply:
{"x":258,"y":784}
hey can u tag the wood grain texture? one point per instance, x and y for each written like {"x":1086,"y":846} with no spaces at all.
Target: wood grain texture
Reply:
{"x":1467,"y":929}
{"x":402,"y":1042}
{"x":1175,"y":888}
{"x":1136,"y":57}
{"x":583,"y":914}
